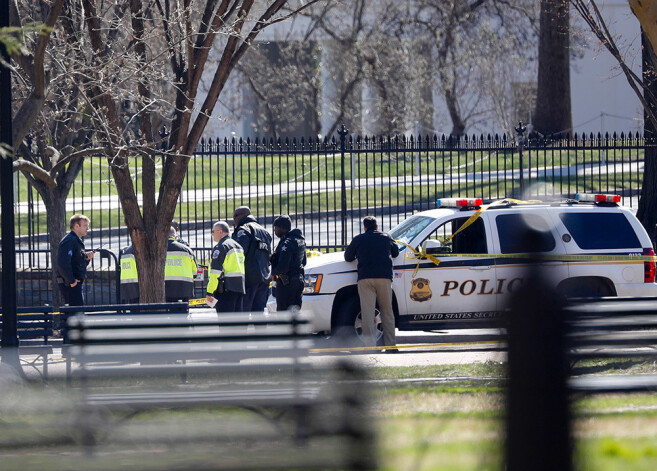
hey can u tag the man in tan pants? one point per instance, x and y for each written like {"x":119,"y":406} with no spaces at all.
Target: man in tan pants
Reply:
{"x":374,"y":251}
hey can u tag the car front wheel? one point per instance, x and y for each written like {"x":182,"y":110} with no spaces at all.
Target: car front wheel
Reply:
{"x":349,"y":323}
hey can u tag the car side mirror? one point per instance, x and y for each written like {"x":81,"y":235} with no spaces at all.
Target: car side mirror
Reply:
{"x":432,"y":246}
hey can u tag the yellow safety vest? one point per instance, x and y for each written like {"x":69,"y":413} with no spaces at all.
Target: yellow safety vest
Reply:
{"x":232,"y":268}
{"x":179,"y":272}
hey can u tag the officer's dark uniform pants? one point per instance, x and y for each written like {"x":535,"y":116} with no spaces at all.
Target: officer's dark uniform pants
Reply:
{"x":72,"y":296}
{"x":288,"y":295}
{"x":255,"y":298}
{"x":229,"y":301}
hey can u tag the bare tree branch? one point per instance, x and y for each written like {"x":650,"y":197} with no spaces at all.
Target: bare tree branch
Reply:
{"x":598,"y":26}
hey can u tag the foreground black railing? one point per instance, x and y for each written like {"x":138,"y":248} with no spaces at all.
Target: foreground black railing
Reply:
{"x":546,"y":340}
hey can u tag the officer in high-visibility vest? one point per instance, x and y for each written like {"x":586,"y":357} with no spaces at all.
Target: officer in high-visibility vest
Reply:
{"x":227,"y":271}
{"x":129,"y":281}
{"x":179,"y":270}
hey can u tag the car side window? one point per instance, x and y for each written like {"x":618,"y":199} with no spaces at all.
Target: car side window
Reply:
{"x":595,"y":231}
{"x":472,"y":239}
{"x":522,"y":233}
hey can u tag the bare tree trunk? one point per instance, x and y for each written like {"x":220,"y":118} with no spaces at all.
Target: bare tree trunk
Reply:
{"x":646,"y":13}
{"x":56,"y":217}
{"x":553,"y":111}
{"x":149,"y":255}
{"x":446,"y":75}
{"x":458,"y":126}
{"x":647,"y":211}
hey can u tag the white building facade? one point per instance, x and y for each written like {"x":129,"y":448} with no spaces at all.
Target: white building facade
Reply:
{"x":602,"y":100}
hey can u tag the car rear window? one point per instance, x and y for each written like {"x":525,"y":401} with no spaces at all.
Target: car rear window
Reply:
{"x":594,"y":231}
{"x":522,"y":233}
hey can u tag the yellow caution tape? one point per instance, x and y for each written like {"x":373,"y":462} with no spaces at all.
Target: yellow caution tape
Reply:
{"x":483,"y":208}
{"x":535,"y":256}
{"x":403,"y":347}
{"x":562,"y":257}
{"x":420,"y":253}
{"x":196,"y":301}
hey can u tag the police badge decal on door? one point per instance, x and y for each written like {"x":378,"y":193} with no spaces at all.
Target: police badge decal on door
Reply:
{"x":420,"y":291}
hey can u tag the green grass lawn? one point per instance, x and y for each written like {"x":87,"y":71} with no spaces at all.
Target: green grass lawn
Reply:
{"x":459,"y":425}
{"x":449,"y":424}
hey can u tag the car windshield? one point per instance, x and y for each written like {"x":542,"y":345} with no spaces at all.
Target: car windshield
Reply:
{"x":409,"y":229}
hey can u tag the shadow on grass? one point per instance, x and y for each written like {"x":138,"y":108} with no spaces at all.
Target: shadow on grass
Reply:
{"x":604,"y":366}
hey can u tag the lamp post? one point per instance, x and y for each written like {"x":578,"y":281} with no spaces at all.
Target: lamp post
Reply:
{"x":343,"y":131}
{"x":521,"y":144}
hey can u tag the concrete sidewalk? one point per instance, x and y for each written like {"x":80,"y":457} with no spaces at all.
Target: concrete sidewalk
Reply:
{"x":33,"y":366}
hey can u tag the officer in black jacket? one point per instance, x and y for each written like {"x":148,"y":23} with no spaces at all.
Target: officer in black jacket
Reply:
{"x":72,"y":261}
{"x":256,"y":242}
{"x":374,"y":251}
{"x":287,"y":264}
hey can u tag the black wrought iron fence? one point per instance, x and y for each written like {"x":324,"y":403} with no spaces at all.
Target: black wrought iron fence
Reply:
{"x":34,"y":281}
{"x":327,"y":186}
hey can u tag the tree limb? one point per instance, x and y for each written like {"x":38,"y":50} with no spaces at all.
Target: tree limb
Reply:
{"x":27,"y":113}
{"x":599,"y":28}
{"x":34,"y":169}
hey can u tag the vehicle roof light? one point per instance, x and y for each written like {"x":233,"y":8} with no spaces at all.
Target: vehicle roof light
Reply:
{"x":459,"y":202}
{"x":597,"y":198}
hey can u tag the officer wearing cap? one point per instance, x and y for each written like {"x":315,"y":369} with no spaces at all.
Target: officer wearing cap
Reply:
{"x":287,"y":264}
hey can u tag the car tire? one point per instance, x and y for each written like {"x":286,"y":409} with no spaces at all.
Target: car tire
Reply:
{"x":349,"y":324}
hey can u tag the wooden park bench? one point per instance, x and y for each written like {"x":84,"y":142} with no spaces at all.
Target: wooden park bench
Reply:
{"x":258,"y":362}
{"x":35,"y":335}
{"x":119,"y":311}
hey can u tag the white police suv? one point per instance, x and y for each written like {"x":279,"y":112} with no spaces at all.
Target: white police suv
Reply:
{"x":459,"y":263}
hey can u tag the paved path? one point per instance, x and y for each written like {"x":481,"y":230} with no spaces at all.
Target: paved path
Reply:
{"x":415,"y":349}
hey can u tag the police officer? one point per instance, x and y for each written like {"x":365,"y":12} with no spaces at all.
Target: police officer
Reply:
{"x":179,"y":238}
{"x":129,"y":292}
{"x":287,"y":264}
{"x":226,"y":283}
{"x":374,"y":251}
{"x":256,"y":242}
{"x":72,"y":261}
{"x":179,"y":270}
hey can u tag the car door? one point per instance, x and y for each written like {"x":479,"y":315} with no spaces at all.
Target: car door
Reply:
{"x":529,"y":238}
{"x":460,"y":288}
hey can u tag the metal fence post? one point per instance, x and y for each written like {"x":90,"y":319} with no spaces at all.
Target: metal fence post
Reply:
{"x":343,"y":131}
{"x":9,"y":341}
{"x":521,"y":144}
{"x":538,"y":435}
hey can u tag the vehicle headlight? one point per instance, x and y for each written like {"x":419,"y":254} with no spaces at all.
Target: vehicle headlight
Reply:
{"x":312,"y":284}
